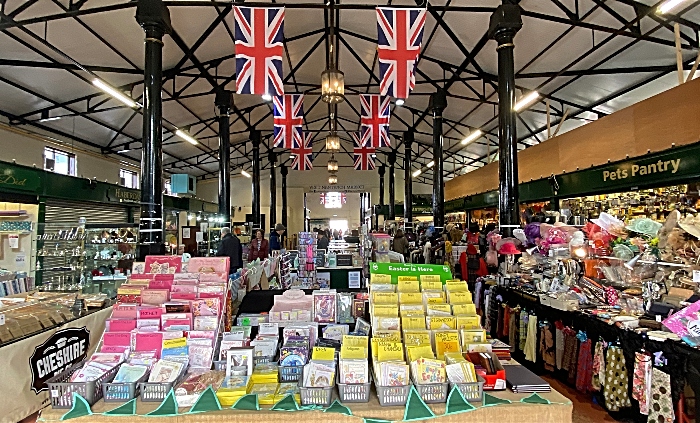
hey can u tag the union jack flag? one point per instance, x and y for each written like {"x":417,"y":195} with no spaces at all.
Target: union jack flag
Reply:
{"x":259,"y":34}
{"x":304,"y":155}
{"x":364,"y":159}
{"x":400,"y":34}
{"x":289,"y":118}
{"x":375,"y":121}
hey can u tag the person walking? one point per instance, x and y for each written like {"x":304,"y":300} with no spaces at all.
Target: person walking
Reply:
{"x":400,"y":243}
{"x":259,"y":247}
{"x":230,"y":246}
{"x":276,"y":237}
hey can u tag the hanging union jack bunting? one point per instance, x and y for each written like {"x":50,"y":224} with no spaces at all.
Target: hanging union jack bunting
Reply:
{"x":375,"y":121}
{"x":400,"y":34}
{"x":259,"y":34}
{"x":364,"y":154}
{"x":303,"y":155}
{"x":289,"y":118}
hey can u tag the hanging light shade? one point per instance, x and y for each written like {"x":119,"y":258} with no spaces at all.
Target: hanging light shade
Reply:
{"x":332,"y":143}
{"x":332,"y":164}
{"x":332,"y":179}
{"x":332,"y":86}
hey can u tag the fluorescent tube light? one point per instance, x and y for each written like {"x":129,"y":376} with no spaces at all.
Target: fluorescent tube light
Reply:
{"x":267,"y":97}
{"x":187,"y":137}
{"x":399,"y":101}
{"x":417,"y":172}
{"x":473,"y":136}
{"x":244,"y":173}
{"x":114,"y":93}
{"x":431,"y":163}
{"x":668,"y":5}
{"x":526,"y":101}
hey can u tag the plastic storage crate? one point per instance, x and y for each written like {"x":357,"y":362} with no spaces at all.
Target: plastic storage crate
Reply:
{"x":472,"y":392}
{"x":354,"y":392}
{"x":262,"y":359}
{"x":61,"y":389}
{"x":122,"y":392}
{"x":432,"y":392}
{"x":316,"y":396}
{"x":393,"y":395}
{"x":290,"y":373}
{"x":157,"y":391}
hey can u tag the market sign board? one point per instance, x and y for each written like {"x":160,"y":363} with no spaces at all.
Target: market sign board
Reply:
{"x":17,"y":178}
{"x":62,"y":350}
{"x":409,"y":269}
{"x":335,"y":188}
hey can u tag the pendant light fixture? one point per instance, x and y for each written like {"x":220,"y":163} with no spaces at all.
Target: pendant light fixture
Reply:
{"x":332,"y":80}
{"x":332,"y":179}
{"x":332,"y":164}
{"x":332,"y":143}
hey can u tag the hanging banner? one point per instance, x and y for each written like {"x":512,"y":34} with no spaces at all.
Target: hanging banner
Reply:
{"x":335,"y":188}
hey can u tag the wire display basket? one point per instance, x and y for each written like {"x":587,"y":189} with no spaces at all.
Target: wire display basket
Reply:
{"x":122,"y":391}
{"x":473,"y":391}
{"x":61,"y":389}
{"x":354,"y":392}
{"x":316,"y":396}
{"x":290,"y":373}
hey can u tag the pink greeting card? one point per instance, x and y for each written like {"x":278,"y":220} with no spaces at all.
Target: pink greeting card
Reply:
{"x":184,"y":288}
{"x":120,"y":325}
{"x":152,"y":341}
{"x":197,"y":334}
{"x":210,"y":268}
{"x":150,"y":312}
{"x":206,"y":307}
{"x":119,"y":339}
{"x":163,"y":264}
{"x":686,"y":324}
{"x":124,"y":311}
{"x":183,"y":296}
{"x":113,"y":349}
{"x":154,"y":296}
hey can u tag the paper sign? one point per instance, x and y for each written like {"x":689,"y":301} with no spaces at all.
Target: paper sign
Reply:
{"x":430,"y":278}
{"x":149,"y":341}
{"x":121,"y":325}
{"x":20,"y":259}
{"x":390,"y":351}
{"x":2,"y":319}
{"x":349,"y":352}
{"x":355,"y":341}
{"x":174,"y":343}
{"x":431,"y":286}
{"x":380,"y":278}
{"x":119,"y":339}
{"x":186,"y":233}
{"x":199,"y":236}
{"x":409,"y":285}
{"x":150,"y":313}
{"x":323,"y":353}
{"x":696,"y":276}
{"x":354,"y":279}
{"x":13,"y":239}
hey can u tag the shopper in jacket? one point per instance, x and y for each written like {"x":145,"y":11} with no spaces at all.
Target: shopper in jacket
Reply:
{"x":230,"y":246}
{"x":323,"y":240}
{"x":276,"y":237}
{"x":259,"y":247}
{"x":400,"y":243}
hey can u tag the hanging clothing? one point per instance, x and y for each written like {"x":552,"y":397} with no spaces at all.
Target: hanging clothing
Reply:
{"x":598,"y":379}
{"x":570,"y":354}
{"x":616,"y":380}
{"x":547,"y":346}
{"x":660,"y":402}
{"x":641,"y":381}
{"x":531,"y":342}
{"x":499,"y":321}
{"x":524,"y":317}
{"x":559,"y":344}
{"x":584,"y":373}
{"x":506,"y":321}
{"x":513,"y":328}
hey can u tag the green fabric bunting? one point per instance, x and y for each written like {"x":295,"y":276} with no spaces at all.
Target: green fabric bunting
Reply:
{"x":247,"y":402}
{"x":369,"y":420}
{"x":416,"y":409}
{"x":535,"y":399}
{"x":337,"y":407}
{"x":490,"y":400}
{"x":80,"y":408}
{"x":207,"y":401}
{"x":456,"y":403}
{"x":287,"y":403}
{"x":166,"y":408}
{"x":126,"y":409}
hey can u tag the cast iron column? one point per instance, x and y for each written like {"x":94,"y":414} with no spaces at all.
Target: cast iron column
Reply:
{"x":154,"y":18}
{"x":382,"y":171}
{"x":505,"y":23}
{"x":284,"y":171}
{"x":408,"y":181}
{"x":255,"y":140}
{"x":223,"y":102}
{"x":362,"y":207}
{"x":438,"y":102}
{"x":392,"y":185}
{"x":273,"y":191}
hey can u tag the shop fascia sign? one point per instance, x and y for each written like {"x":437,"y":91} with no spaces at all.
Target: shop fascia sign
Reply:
{"x":643,"y":168}
{"x":127,"y":195}
{"x":60,"y":351}
{"x":335,"y":188}
{"x":17,"y":178}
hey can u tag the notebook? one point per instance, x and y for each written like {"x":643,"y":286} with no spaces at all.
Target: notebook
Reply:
{"x":521,"y":380}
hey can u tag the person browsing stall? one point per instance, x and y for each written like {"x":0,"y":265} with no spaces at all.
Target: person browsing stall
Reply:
{"x":276,"y":237}
{"x":259,"y":247}
{"x":230,"y":246}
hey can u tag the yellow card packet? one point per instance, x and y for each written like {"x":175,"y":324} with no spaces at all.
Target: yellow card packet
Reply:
{"x":465,"y":309}
{"x":446,"y":341}
{"x":379,"y":278}
{"x":417,"y":337}
{"x":468,"y":322}
{"x":356,"y":341}
{"x":410,"y":298}
{"x":390,"y":351}
{"x":473,"y":336}
{"x":348,"y":352}
{"x":408,"y":323}
{"x":456,"y":286}
{"x":385,"y":298}
{"x":410,"y":285}
{"x":385,"y":310}
{"x":388,"y":335}
{"x":439,"y":309}
{"x":443,"y":322}
{"x":415,"y":352}
{"x":430,"y":278}
{"x":323,"y":353}
{"x":430,"y":285}
{"x":407,"y":278}
{"x":460,"y":297}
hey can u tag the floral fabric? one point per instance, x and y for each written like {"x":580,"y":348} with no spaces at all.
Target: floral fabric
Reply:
{"x":598,"y":379}
{"x":641,"y":381}
{"x":584,"y":373}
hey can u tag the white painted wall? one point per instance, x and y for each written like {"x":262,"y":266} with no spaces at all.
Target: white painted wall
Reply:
{"x":28,"y":149}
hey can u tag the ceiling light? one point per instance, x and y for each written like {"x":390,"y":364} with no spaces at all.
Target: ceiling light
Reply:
{"x":187,"y":137}
{"x":668,"y":5}
{"x":335,"y":215}
{"x":473,"y":136}
{"x":332,"y":179}
{"x":399,"y":101}
{"x":526,"y":101}
{"x":332,"y":164}
{"x":267,"y":97}
{"x":431,"y":163}
{"x":417,"y":172}
{"x":244,"y":173}
{"x":114,"y":93}
{"x":126,"y":149}
{"x":45,"y":117}
{"x":374,"y":156}
{"x":332,"y":86}
{"x":332,"y":143}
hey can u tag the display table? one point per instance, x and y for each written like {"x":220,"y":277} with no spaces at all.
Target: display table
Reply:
{"x":559,"y":411}
{"x":20,"y":400}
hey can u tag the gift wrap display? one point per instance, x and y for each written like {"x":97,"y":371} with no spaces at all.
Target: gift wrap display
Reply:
{"x":413,"y":350}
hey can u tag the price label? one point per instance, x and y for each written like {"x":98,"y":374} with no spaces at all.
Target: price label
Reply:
{"x":696,"y":276}
{"x":54,"y":393}
{"x":2,"y":319}
{"x":658,"y":318}
{"x":694,"y":328}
